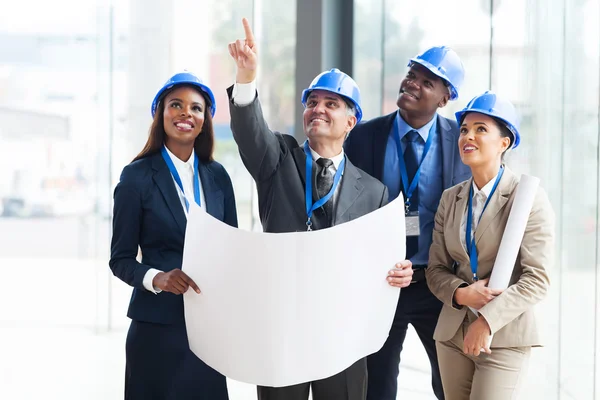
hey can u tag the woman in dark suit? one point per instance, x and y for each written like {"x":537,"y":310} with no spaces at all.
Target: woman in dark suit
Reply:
{"x":174,"y":171}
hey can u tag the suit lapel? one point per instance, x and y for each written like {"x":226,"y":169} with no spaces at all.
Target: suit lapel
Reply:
{"x":497,"y":202}
{"x":164,"y":180}
{"x":349,"y":191}
{"x":380,"y":139}
{"x":300,"y":161}
{"x":213,"y":195}
{"x":459,"y":211}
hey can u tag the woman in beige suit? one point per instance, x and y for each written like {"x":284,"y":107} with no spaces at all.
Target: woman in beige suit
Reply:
{"x":468,"y":229}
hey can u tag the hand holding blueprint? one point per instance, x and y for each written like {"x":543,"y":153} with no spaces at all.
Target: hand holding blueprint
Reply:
{"x":281,"y":309}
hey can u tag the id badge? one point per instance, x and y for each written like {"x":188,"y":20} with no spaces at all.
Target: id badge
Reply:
{"x":412,"y":223}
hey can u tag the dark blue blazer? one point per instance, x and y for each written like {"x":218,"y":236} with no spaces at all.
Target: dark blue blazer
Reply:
{"x":149,"y":214}
{"x":366,"y":144}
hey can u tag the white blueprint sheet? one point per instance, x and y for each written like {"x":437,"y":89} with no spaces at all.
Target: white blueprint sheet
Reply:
{"x":281,"y":309}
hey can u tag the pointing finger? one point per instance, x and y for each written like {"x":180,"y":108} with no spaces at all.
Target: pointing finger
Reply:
{"x":249,"y":34}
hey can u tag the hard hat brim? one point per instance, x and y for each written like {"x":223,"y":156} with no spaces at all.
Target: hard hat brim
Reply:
{"x":306,"y":93}
{"x":432,"y":68}
{"x":204,"y":90}
{"x":515,"y":132}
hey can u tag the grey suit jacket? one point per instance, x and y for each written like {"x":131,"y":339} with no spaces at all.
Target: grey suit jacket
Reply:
{"x":277,"y":164}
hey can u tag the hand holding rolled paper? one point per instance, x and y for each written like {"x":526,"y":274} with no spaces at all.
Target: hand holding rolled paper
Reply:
{"x":512,"y":237}
{"x":476,"y":295}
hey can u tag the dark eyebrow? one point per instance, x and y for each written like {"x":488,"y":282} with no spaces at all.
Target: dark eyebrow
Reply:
{"x":181,"y":101}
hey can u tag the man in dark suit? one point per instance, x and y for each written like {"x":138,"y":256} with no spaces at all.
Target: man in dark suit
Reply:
{"x":286,"y":174}
{"x":413,"y":150}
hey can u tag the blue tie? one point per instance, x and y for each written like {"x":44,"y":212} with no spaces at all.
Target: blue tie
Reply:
{"x":412,"y":164}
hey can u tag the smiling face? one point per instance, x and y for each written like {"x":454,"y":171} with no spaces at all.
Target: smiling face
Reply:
{"x":422,"y":92}
{"x":183,"y":116}
{"x":327,"y":116}
{"x":481,"y":141}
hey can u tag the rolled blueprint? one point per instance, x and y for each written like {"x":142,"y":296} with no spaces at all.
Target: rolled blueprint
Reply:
{"x":514,"y":231}
{"x":513,"y":234}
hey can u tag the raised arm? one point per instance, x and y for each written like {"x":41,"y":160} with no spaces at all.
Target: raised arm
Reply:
{"x":259,"y":147}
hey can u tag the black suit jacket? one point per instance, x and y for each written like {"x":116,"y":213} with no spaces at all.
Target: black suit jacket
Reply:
{"x":277,"y":164}
{"x":367,"y":142}
{"x":148,"y":213}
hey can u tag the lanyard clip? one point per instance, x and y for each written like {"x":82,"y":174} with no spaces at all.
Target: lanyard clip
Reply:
{"x":475,"y":278}
{"x":308,"y":225}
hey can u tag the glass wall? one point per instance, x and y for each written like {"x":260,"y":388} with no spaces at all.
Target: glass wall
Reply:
{"x":75,"y":94}
{"x":544,"y":56}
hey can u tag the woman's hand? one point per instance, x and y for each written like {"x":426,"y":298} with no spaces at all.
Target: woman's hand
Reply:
{"x":175,"y":281}
{"x":476,"y":295}
{"x":477,"y":338}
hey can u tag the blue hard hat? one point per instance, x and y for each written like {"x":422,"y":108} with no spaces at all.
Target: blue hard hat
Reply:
{"x":445,"y":63}
{"x":495,"y":106}
{"x":335,"y":81}
{"x":185,"y":78}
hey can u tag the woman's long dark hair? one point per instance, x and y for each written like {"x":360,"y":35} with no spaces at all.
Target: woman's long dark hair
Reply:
{"x":203,"y":145}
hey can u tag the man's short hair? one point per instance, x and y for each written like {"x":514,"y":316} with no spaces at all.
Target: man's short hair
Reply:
{"x":350,"y":107}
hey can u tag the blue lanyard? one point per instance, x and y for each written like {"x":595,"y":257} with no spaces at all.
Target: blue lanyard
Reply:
{"x":409,"y":187}
{"x":175,"y":174}
{"x":310,"y":207}
{"x":471,"y":248}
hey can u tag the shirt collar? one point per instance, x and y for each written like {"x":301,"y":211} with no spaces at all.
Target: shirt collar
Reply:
{"x":336,"y":160}
{"x":487,"y":189}
{"x":181,"y":164}
{"x":404,"y":127}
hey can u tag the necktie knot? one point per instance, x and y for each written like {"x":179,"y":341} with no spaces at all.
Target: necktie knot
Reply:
{"x":324,"y":162}
{"x":411,"y":136}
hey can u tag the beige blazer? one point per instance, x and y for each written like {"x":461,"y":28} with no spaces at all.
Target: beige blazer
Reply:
{"x":510,"y":315}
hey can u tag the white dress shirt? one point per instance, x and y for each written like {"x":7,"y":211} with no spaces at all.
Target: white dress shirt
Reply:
{"x":479,"y":199}
{"x":244,"y":93}
{"x":185,"y":169}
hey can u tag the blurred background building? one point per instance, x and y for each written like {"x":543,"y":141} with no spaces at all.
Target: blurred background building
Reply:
{"x":76,"y":81}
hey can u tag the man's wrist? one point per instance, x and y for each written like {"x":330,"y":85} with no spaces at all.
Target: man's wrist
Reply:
{"x":245,"y":76}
